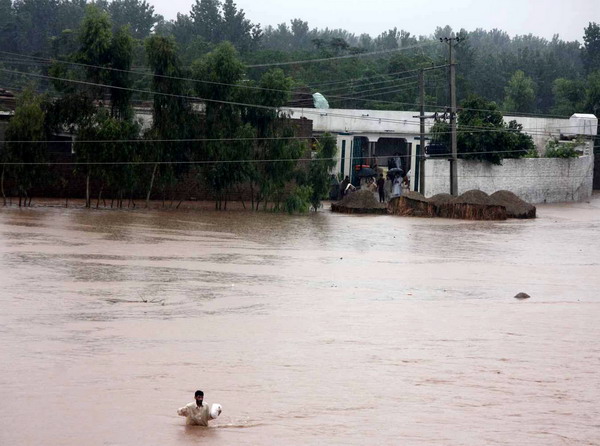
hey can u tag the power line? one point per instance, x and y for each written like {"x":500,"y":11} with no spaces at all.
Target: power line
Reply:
{"x":46,"y":60}
{"x":275,"y":160}
{"x":351,"y":84}
{"x":196,"y":98}
{"x":150,"y":141}
{"x":348,"y":56}
{"x":413,"y":83}
{"x":276,"y":109}
{"x":195,"y":80}
{"x":524,"y":114}
{"x":415,"y":70}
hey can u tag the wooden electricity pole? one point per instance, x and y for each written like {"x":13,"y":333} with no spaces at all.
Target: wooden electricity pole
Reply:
{"x":422,"y":119}
{"x":454,"y":160}
{"x":422,"y":131}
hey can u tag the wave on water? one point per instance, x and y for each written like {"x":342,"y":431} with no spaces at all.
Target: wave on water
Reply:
{"x":240,"y":425}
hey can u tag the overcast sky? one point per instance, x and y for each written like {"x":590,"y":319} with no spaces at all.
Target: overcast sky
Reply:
{"x":543,"y":18}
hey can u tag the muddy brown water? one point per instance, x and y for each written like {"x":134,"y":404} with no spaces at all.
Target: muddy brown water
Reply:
{"x":323,"y":329}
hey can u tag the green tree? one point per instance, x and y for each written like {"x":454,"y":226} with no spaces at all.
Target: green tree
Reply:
{"x":121,"y":57}
{"x":592,"y":93}
{"x":591,"y":47}
{"x":95,"y":37}
{"x":218,"y":74}
{"x":207,"y":19}
{"x":24,"y":129}
{"x":103,"y":127}
{"x":275,"y":151}
{"x":8,"y":26}
{"x":137,"y":14}
{"x":237,"y":29}
{"x":520,"y":94}
{"x":171,"y":115}
{"x":569,"y":96}
{"x":482,"y":133}
{"x":319,"y":174}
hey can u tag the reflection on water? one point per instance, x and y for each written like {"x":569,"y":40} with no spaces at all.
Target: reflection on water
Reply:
{"x":320,"y":329}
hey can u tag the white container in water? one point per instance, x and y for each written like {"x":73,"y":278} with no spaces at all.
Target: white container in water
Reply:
{"x":215,"y":410}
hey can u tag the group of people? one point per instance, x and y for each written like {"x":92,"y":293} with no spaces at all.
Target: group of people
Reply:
{"x":384,"y":188}
{"x":388,"y":188}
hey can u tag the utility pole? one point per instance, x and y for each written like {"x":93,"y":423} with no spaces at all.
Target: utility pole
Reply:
{"x":422,"y":131}
{"x":454,"y":160}
{"x":422,"y":119}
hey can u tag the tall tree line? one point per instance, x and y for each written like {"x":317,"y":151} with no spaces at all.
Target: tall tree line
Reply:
{"x":522,"y":73}
{"x":219,"y":144}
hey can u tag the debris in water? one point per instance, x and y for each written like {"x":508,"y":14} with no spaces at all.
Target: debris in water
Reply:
{"x":522,"y":296}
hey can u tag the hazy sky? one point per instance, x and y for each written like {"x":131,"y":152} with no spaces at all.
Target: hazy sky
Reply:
{"x":539,"y":17}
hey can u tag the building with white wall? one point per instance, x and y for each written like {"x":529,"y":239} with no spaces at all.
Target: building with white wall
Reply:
{"x":374,"y":135}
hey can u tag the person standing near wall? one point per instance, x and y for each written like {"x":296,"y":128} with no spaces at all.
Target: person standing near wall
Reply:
{"x":381,"y":188}
{"x":344,"y":185}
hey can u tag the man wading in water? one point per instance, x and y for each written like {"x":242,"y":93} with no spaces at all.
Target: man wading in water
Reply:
{"x":198,"y":413}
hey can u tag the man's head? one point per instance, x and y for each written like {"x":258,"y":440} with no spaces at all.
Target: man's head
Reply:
{"x":199,"y":396}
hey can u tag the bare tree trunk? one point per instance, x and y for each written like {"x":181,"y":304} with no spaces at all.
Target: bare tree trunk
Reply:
{"x":241,"y":196}
{"x":151,"y":184}
{"x":2,"y":185}
{"x":87,"y":190}
{"x":99,"y":197}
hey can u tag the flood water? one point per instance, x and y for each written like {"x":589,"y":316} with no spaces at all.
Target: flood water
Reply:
{"x":323,"y":329}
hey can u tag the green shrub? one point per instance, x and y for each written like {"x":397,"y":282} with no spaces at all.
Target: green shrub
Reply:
{"x":531,"y":153}
{"x":299,"y":200}
{"x":556,"y":149}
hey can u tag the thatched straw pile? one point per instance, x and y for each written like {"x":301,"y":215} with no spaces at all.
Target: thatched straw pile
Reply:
{"x":411,"y":204}
{"x":359,"y":202}
{"x":477,"y":205}
{"x":515,"y":207}
{"x":442,"y":205}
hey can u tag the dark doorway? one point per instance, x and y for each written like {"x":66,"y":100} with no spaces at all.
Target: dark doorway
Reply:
{"x":386,"y":148}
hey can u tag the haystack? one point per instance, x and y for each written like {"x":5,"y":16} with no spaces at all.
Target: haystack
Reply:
{"x":411,"y":204}
{"x":477,"y":205}
{"x":442,"y":206}
{"x":515,"y":207}
{"x":360,"y":202}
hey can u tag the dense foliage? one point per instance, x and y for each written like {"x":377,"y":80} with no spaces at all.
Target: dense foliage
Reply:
{"x":525,"y":73}
{"x":93,"y":62}
{"x":483,"y":135}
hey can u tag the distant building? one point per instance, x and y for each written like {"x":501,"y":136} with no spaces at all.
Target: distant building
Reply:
{"x":371,"y":136}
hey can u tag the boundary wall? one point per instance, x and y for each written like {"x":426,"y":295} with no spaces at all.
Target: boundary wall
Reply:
{"x":535,"y":180}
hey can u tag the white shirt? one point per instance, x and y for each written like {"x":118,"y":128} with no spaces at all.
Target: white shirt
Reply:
{"x":195,"y":415}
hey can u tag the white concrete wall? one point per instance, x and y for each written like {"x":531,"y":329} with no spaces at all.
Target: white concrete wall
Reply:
{"x":541,"y":129}
{"x":535,"y":180}
{"x":348,"y":155}
{"x":379,"y":122}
